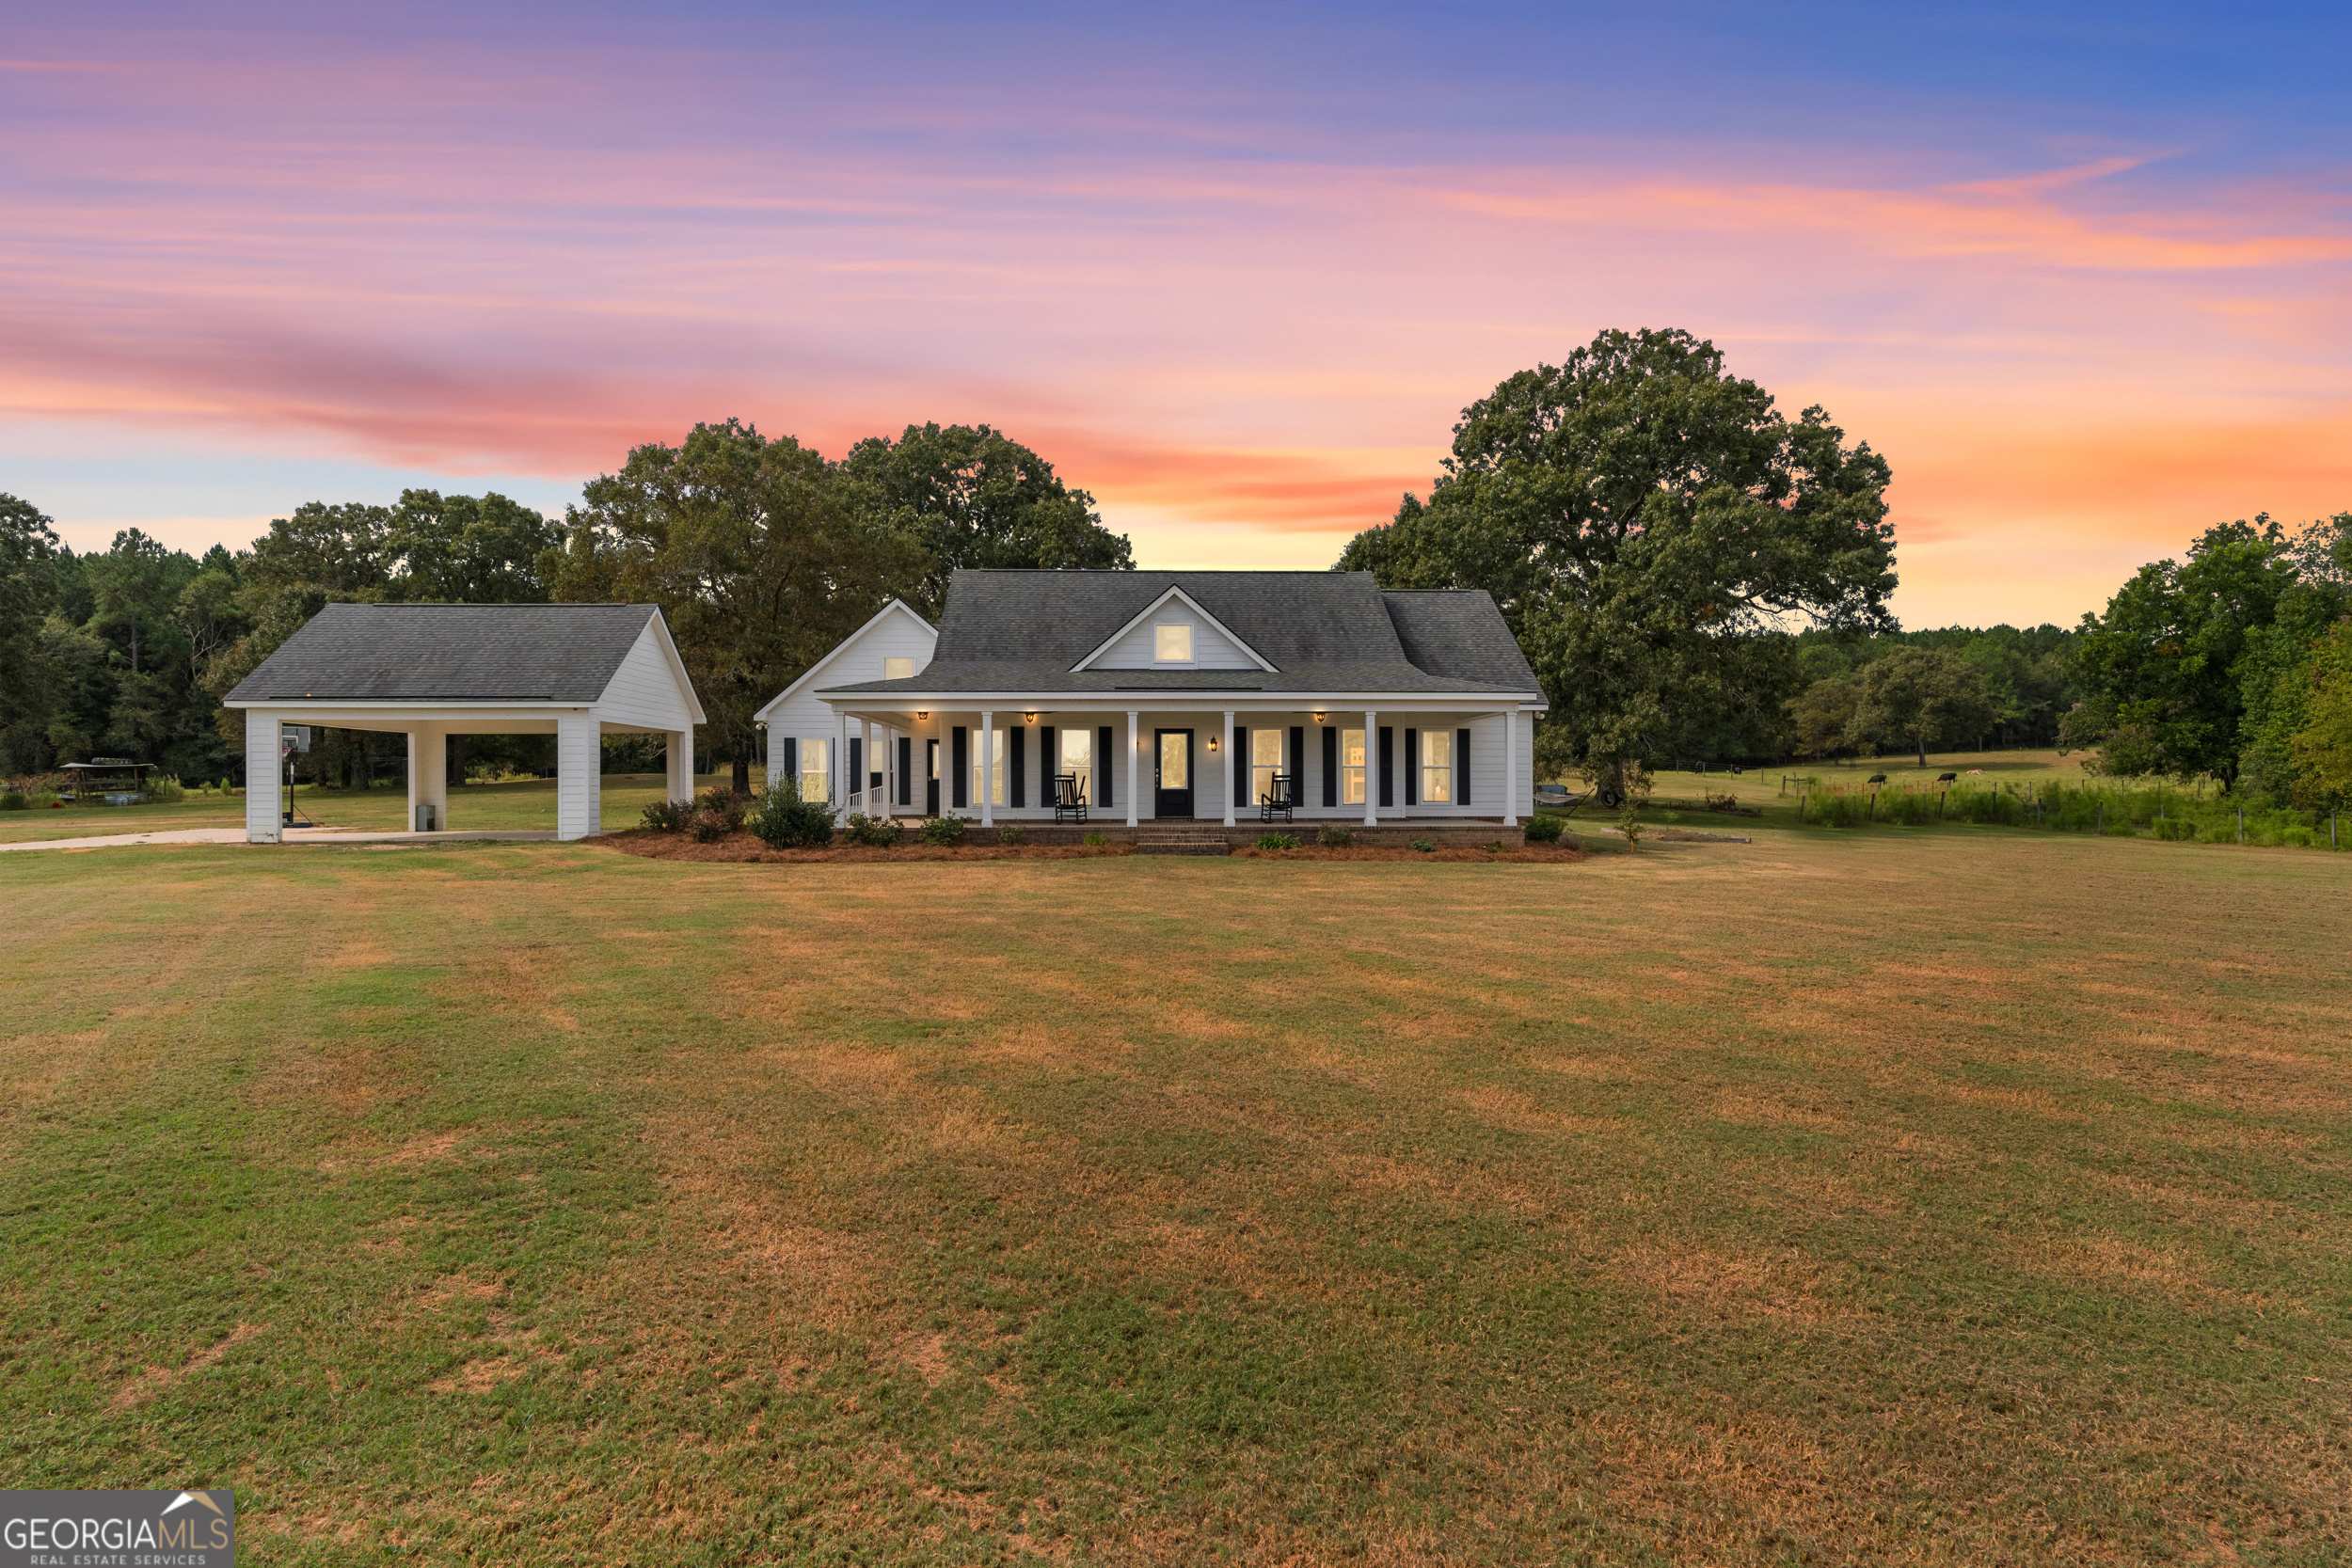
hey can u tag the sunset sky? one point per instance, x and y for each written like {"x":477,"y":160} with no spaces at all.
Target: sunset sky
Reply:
{"x":2083,"y":273}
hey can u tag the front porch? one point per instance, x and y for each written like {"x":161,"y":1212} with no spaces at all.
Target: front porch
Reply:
{"x":1416,"y":769}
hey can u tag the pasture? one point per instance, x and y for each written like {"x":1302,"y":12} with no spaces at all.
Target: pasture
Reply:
{"x":1940,"y":1197}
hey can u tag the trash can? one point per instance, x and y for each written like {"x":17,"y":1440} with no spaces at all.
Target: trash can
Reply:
{"x":425,"y":816}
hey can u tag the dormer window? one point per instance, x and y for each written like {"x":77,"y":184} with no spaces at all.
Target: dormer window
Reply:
{"x":1172,"y":644}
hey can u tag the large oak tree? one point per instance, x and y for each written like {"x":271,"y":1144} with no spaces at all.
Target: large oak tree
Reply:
{"x":1644,"y":518}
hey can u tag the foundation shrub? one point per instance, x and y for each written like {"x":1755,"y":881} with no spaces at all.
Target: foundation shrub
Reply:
{"x":782,"y":820}
{"x":1332,"y":836}
{"x":1426,"y":845}
{"x":880,"y":832}
{"x":668,"y":817}
{"x":1546,"y":829}
{"x":945,"y":830}
{"x":1097,"y":841}
{"x":1277,"y":841}
{"x":1010,"y":834}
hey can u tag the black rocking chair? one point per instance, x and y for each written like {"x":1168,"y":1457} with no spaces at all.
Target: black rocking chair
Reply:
{"x":1069,"y":798}
{"x":1279,"y":803}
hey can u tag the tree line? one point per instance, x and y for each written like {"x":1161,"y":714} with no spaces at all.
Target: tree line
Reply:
{"x":762,"y":554}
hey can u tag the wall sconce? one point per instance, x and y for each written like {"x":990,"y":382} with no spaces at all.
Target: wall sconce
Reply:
{"x":1318,"y":718}
{"x":1212,"y":743}
{"x":1029,"y":717}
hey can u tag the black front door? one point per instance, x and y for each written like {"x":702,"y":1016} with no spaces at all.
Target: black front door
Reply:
{"x":930,"y":778}
{"x":1174,"y":773}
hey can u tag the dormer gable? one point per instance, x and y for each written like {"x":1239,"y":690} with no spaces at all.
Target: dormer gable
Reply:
{"x":1173,"y":632}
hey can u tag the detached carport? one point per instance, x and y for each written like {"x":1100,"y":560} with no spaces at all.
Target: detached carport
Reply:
{"x":578,"y":672}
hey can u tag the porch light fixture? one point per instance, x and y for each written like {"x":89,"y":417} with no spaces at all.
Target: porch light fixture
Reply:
{"x":1029,"y":717}
{"x":1212,"y":743}
{"x":1318,"y":718}
{"x":921,"y":717}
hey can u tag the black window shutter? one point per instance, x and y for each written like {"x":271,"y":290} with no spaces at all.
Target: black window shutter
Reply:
{"x":1461,"y":766}
{"x":1412,"y":767}
{"x":855,"y":777}
{"x":1331,"y":768}
{"x":1103,"y":766}
{"x":1241,"y":769}
{"x":906,"y":771}
{"x":792,"y":760}
{"x":1293,"y":763}
{"x":959,"y":765}
{"x":1014,"y":739}
{"x":1388,"y":765}
{"x":1048,"y":764}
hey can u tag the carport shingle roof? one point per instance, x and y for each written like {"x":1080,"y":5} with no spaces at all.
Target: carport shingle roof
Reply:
{"x":1322,"y":632}
{"x":557,"y":653}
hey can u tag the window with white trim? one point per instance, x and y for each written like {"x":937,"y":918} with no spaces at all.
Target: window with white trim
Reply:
{"x":1172,"y":644}
{"x":1437,"y":766}
{"x":897,"y":669}
{"x":816,"y":778}
{"x":1265,"y":760}
{"x":980,"y":763}
{"x":1077,"y":756}
{"x":1351,"y":767}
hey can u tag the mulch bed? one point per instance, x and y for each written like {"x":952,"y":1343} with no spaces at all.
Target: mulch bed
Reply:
{"x":1545,"y":853}
{"x":742,"y":848}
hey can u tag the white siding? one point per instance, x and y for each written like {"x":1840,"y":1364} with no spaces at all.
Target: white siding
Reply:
{"x":1210,"y":650}
{"x":644,"y":690}
{"x":898,"y":635}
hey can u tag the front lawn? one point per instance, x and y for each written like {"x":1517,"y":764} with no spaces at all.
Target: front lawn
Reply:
{"x":1935,"y":1198}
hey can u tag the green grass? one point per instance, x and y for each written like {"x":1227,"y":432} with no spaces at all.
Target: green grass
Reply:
{"x":1832,"y":1198}
{"x":522,"y":803}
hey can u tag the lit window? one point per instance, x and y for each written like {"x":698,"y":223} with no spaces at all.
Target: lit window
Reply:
{"x":1436,"y":766}
{"x":1265,"y":760}
{"x":897,"y":669}
{"x":996,"y":790}
{"x":1351,"y":767}
{"x":1172,"y":644}
{"x":816,"y":778}
{"x":1077,"y":756}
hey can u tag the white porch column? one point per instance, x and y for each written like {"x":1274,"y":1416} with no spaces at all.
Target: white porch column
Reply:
{"x":1132,"y":743}
{"x":988,"y":769}
{"x":579,"y":776}
{"x":890,"y":771}
{"x":1233,"y":768}
{"x":1510,"y":767}
{"x":1371,"y":767}
{"x":264,"y":770}
{"x":428,"y":777}
{"x":866,"y":765}
{"x":841,"y":769}
{"x":680,"y":785}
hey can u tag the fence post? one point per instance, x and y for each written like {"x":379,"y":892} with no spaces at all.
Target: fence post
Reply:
{"x":2241,"y":823}
{"x":2100,"y":830}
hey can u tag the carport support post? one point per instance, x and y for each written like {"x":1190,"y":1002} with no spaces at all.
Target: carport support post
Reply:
{"x":428,"y":777}
{"x":579,"y":775}
{"x":680,"y":786}
{"x":264,"y":772}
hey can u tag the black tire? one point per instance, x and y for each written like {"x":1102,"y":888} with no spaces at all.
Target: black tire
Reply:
{"x":1612,"y":798}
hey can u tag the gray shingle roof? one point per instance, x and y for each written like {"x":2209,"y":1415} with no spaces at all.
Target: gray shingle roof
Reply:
{"x":560,"y":653}
{"x":1322,"y":632}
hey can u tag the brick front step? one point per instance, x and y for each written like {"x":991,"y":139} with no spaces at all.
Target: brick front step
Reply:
{"x":1189,"y":844}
